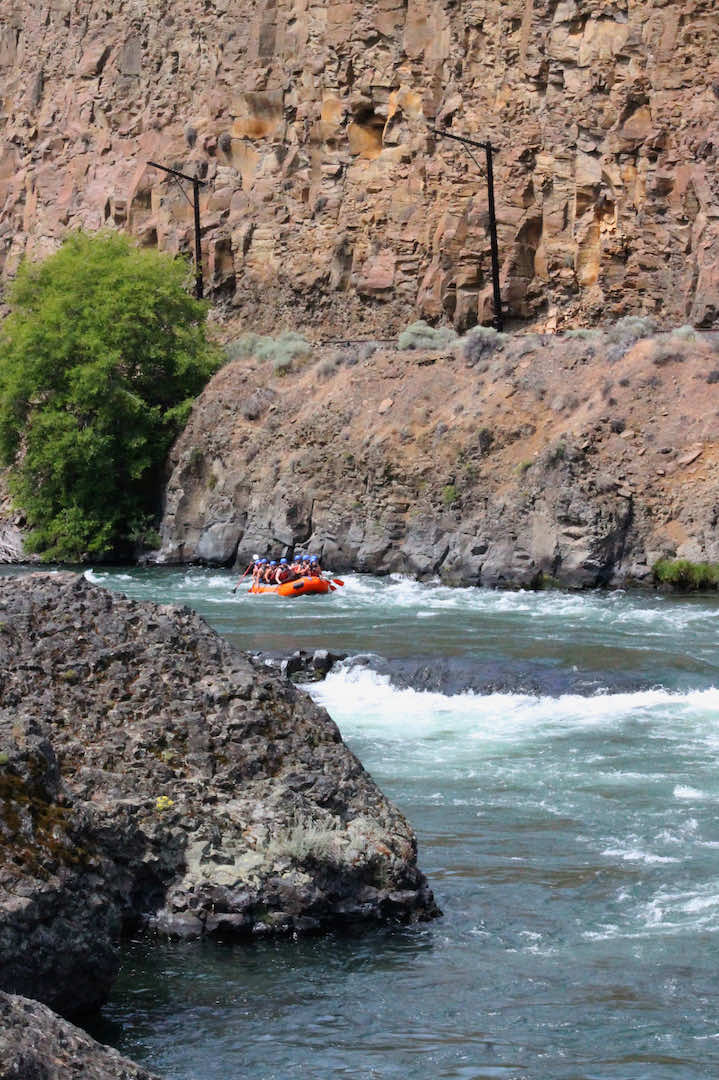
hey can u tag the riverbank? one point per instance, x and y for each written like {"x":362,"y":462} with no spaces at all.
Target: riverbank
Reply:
{"x":519,"y":461}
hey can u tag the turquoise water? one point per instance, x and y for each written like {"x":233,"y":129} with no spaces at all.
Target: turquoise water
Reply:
{"x":560,"y":772}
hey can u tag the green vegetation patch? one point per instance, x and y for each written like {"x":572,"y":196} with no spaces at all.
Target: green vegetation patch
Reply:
{"x":686,"y":576}
{"x":100,"y":360}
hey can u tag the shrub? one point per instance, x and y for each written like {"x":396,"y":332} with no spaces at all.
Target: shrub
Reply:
{"x":449,"y":494}
{"x":480,"y":342}
{"x":523,"y":466}
{"x":367,"y":349}
{"x":630,"y":329}
{"x":225,"y":142}
{"x":308,"y":839}
{"x":326,"y":368}
{"x":102,"y":355}
{"x":282,"y":350}
{"x":666,"y":352}
{"x":420,"y":335}
{"x":583,"y":333}
{"x":190,"y":134}
{"x":485,"y":438}
{"x":682,"y":574}
{"x":556,"y":454}
{"x":242,"y":347}
{"x":713,"y":376}
{"x":686,"y":332}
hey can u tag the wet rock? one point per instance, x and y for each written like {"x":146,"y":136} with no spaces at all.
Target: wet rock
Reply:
{"x":170,"y":782}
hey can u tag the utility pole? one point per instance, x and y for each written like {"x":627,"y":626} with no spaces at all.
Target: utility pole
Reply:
{"x":196,"y":208}
{"x":498,"y":320}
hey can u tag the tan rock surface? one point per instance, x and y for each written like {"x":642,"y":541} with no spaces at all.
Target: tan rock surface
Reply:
{"x":505,"y":468}
{"x":327,"y":202}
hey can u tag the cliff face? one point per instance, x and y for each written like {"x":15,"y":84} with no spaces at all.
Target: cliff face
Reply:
{"x":582,"y":461}
{"x":328,"y":202}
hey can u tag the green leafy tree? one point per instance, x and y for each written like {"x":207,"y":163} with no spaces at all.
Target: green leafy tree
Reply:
{"x":100,"y":359}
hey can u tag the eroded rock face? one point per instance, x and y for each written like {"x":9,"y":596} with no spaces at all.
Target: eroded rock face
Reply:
{"x":327,"y":199}
{"x":152,"y":774}
{"x":539,"y":458}
{"x":37,"y":1045}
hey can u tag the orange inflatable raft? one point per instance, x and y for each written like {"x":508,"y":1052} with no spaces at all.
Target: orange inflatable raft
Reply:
{"x":300,"y":587}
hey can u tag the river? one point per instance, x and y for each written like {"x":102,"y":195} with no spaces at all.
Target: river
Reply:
{"x":556,"y":754}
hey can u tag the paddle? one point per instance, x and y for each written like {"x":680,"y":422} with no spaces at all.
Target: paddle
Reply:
{"x":244,"y":575}
{"x":338,"y":581}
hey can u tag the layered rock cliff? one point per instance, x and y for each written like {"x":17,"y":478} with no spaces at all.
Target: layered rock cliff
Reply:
{"x":328,"y":201}
{"x":496,"y":461}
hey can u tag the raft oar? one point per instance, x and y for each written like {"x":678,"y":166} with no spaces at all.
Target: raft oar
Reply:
{"x":338,"y":581}
{"x":244,"y":575}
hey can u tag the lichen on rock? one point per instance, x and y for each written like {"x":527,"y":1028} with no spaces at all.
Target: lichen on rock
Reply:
{"x":155,"y":776}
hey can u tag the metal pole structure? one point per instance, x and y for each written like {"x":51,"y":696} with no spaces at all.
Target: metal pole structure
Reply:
{"x":195,"y":204}
{"x":498,"y":315}
{"x":498,"y":320}
{"x":198,"y":243}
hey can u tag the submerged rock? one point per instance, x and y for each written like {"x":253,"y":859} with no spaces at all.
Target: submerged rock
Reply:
{"x":152,"y":774}
{"x":35,"y":1044}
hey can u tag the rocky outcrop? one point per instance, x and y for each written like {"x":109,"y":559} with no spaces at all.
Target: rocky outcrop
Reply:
{"x":327,"y":199}
{"x":150,"y":774}
{"x":510,"y":461}
{"x":37,"y":1045}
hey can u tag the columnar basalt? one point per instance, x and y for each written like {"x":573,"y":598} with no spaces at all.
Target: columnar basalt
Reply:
{"x":328,"y":200}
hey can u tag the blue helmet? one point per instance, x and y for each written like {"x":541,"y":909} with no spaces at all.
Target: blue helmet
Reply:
{"x":313,"y":558}
{"x":273,"y":563}
{"x":263,"y":561}
{"x":283,"y":561}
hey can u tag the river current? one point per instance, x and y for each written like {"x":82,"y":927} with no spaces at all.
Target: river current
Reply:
{"x":556,"y":754}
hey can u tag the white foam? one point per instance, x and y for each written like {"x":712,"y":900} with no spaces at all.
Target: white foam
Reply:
{"x":637,"y":855}
{"x":684,"y":791}
{"x":362,"y":700}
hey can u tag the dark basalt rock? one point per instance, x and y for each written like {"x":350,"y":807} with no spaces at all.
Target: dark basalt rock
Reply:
{"x":151,"y":774}
{"x":35,"y":1044}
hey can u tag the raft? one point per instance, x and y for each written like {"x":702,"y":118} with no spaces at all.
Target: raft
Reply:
{"x":300,"y":587}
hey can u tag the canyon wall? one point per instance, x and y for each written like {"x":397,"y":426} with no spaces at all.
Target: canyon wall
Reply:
{"x":328,"y":202}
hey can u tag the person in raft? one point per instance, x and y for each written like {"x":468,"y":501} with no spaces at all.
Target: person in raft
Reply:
{"x":274,"y":572}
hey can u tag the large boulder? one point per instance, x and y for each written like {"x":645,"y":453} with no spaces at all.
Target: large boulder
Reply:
{"x":35,"y":1044}
{"x":152,"y":774}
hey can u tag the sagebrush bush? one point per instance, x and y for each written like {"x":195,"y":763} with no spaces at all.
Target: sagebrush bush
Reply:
{"x":686,"y":575}
{"x":283,"y":350}
{"x":479,"y":342}
{"x":583,"y":333}
{"x":280,"y":350}
{"x":242,"y":347}
{"x":668,"y":352}
{"x":325,"y":369}
{"x":686,"y":332}
{"x":629,"y":329}
{"x":308,"y":839}
{"x":420,"y":335}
